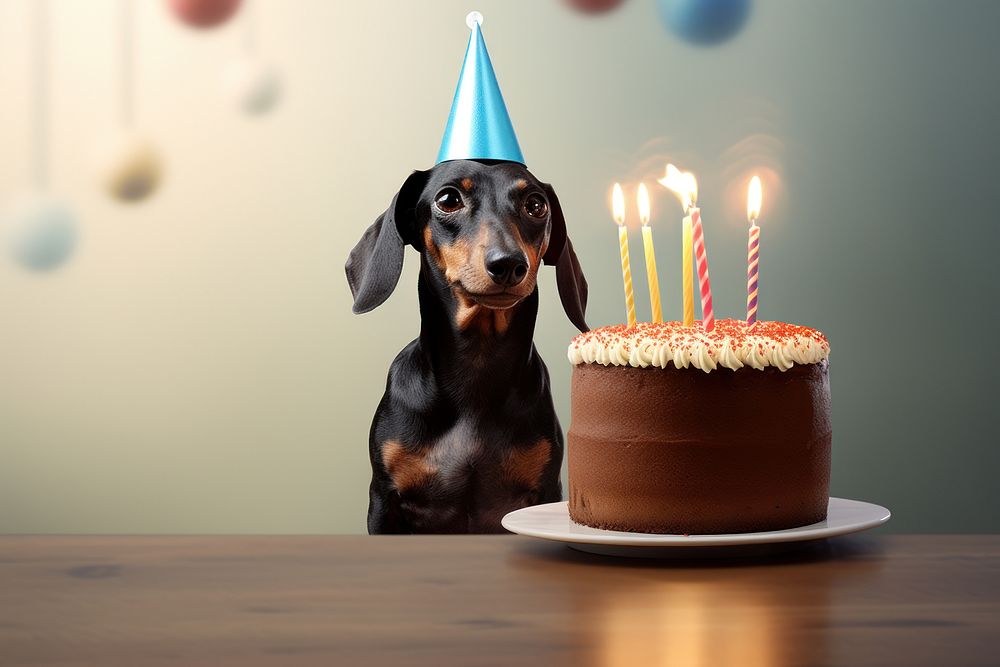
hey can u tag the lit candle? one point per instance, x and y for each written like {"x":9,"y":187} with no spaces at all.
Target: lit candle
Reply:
{"x":684,"y":187}
{"x":647,"y":246}
{"x":754,"y":198}
{"x":618,"y":211}
{"x":701,"y":261}
{"x":687,"y":275}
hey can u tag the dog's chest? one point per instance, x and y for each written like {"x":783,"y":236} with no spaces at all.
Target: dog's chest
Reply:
{"x":465,"y":481}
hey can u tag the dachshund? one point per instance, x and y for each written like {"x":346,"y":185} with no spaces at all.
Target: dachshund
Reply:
{"x":466,"y":430}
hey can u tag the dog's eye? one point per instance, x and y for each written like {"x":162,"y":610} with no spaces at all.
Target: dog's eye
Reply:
{"x":536,"y":206}
{"x":448,"y":200}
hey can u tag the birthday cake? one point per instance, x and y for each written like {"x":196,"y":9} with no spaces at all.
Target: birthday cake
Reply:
{"x":681,"y":431}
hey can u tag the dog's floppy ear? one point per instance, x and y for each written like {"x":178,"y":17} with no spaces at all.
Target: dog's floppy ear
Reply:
{"x":373,"y":267}
{"x":569,"y":275}
{"x":557,"y":235}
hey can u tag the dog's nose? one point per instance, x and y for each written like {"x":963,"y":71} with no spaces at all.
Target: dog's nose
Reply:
{"x":507,"y":269}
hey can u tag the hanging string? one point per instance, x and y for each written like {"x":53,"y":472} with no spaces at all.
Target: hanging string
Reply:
{"x":39,"y":95}
{"x":126,"y":54}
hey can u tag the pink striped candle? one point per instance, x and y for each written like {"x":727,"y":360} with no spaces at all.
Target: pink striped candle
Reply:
{"x":753,"y":260}
{"x":754,"y":197}
{"x":701,"y":261}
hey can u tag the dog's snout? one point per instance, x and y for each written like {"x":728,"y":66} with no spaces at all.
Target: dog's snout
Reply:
{"x":506,"y":268}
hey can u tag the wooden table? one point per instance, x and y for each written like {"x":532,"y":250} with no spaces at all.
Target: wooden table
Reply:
{"x":496,"y":600}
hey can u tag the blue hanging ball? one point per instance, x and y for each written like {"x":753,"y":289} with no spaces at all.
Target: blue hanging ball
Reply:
{"x":41,"y":232}
{"x":705,"y":21}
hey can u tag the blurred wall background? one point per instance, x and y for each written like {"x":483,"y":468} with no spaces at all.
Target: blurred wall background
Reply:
{"x":196,"y":368}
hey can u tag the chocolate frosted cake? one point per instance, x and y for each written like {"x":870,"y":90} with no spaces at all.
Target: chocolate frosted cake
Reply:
{"x":675,"y":430}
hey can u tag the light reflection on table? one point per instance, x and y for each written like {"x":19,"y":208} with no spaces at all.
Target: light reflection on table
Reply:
{"x":745,"y":611}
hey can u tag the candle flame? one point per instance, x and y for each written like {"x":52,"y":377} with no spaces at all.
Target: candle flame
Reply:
{"x":692,"y":188}
{"x":683,"y":184}
{"x":643,"y":200}
{"x":618,"y":204}
{"x":755,"y":196}
{"x":674,"y":180}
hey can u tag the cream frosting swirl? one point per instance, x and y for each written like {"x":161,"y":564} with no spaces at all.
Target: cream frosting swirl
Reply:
{"x":730,"y":345}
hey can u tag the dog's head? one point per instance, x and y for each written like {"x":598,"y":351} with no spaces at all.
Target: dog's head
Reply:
{"x":484,"y":228}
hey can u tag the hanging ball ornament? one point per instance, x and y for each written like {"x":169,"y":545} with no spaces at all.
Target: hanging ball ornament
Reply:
{"x":40,"y":231}
{"x":129,"y":167}
{"x":593,"y":6}
{"x":203,"y":13}
{"x":705,"y":21}
{"x":253,"y":86}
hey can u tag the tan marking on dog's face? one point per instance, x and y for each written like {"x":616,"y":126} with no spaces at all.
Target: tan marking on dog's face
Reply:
{"x":524,"y":465}
{"x":501,"y":320}
{"x":521,"y":184}
{"x":464,"y":263}
{"x":455,"y":257}
{"x":470,"y":314}
{"x":467,"y":184}
{"x":466,"y":311}
{"x":432,"y":248}
{"x":406,"y":468}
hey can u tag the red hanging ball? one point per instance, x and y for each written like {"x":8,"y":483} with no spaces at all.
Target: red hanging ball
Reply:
{"x":203,"y":13}
{"x":593,"y":6}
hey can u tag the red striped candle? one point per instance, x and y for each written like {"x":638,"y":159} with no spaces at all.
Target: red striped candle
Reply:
{"x":701,"y":261}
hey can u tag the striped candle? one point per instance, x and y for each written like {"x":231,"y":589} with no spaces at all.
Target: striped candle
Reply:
{"x":753,"y":259}
{"x":687,"y":272}
{"x":618,"y":212}
{"x":655,"y":308}
{"x":656,"y":311}
{"x":754,"y":197}
{"x":626,"y":274}
{"x":701,"y":261}
{"x":684,"y":185}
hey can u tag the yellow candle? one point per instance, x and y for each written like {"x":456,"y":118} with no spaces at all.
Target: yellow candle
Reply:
{"x":626,"y":275}
{"x":683,"y":184}
{"x":647,"y":245}
{"x":618,"y":210}
{"x":654,"y":283}
{"x":687,"y":279}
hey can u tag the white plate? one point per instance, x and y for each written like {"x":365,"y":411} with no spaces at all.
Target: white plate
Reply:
{"x":551,"y":522}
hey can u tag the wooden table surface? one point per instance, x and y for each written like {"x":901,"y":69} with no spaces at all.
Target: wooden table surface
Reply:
{"x":492,"y":600}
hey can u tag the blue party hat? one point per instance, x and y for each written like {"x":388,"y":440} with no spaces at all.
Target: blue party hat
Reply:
{"x":478,"y":126}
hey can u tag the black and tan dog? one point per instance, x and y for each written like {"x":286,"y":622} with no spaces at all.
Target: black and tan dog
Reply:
{"x":466,"y":430}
